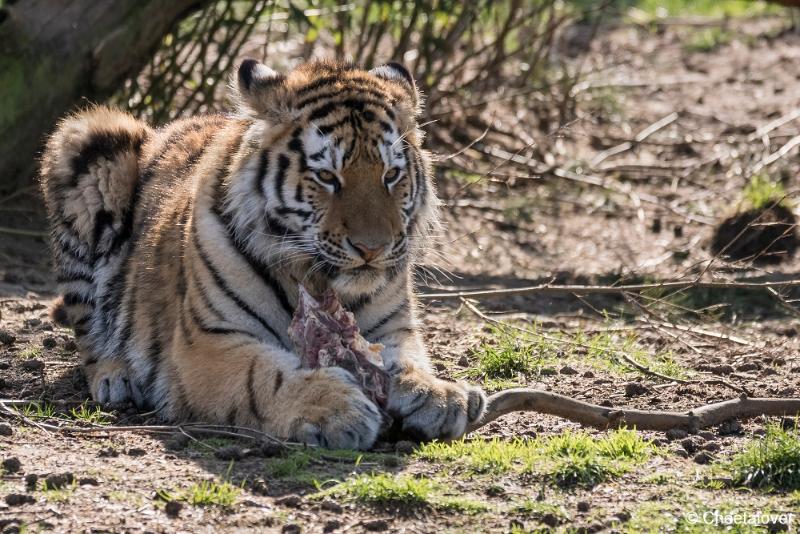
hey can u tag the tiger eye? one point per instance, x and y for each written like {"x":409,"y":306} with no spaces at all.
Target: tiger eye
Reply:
{"x":391,"y":175}
{"x":327,"y":176}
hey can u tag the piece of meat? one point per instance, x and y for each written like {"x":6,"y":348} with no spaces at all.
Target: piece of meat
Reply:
{"x":326,"y":335}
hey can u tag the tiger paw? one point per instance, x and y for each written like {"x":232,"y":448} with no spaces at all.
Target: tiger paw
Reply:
{"x":110,"y":383}
{"x":432,"y":408}
{"x":333,"y":412}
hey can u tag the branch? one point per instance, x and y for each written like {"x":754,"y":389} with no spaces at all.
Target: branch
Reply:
{"x":603,"y":417}
{"x":604,"y":290}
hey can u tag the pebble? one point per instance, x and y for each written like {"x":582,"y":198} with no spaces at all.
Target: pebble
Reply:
{"x":623,"y":516}
{"x":49,"y":342}
{"x":6,"y":430}
{"x":33,"y":365}
{"x":676,"y":433}
{"x":176,"y":442}
{"x":635,"y":389}
{"x":16,"y":499}
{"x":550,"y":519}
{"x":109,"y":452}
{"x":331,"y":525}
{"x":583,"y":506}
{"x":31,"y":480}
{"x":292,"y":501}
{"x":4,"y":365}
{"x":70,"y":345}
{"x":376,"y":525}
{"x":681,"y":452}
{"x":747,"y":366}
{"x":706,"y":435}
{"x":11,"y":465}
{"x":259,"y":486}
{"x":173,"y":508}
{"x":731,"y":426}
{"x":291,"y":528}
{"x":6,"y":338}
{"x":88,"y":481}
{"x":567,"y":370}
{"x":463,"y":361}
{"x":59,"y":481}
{"x":703,"y":458}
{"x":392,"y":461}
{"x":588,"y":374}
{"x":136,"y":452}
{"x":270,"y":449}
{"x":439,"y":366}
{"x":231,"y":452}
{"x":690,"y":445}
{"x":711,"y":446}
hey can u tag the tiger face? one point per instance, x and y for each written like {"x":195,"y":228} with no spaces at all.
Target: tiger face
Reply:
{"x":339,"y":167}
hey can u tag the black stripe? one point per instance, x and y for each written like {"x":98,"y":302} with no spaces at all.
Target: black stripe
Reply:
{"x":65,"y":276}
{"x":103,"y":144}
{"x":278,"y":381}
{"x":280,"y":177}
{"x":356,"y":104}
{"x":403,"y":306}
{"x":225,"y":288}
{"x":194,"y":315}
{"x":251,"y":392}
{"x":74,"y":299}
{"x":263,"y":168}
{"x":359,"y":90}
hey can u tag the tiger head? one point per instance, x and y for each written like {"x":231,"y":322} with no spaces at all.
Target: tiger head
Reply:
{"x":339,"y":174}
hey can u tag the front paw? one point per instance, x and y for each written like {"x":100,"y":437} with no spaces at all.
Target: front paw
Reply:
{"x":433,"y":408}
{"x":110,"y":382}
{"x":334,"y":412}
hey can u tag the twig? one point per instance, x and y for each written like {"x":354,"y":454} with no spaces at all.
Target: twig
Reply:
{"x":778,"y":154}
{"x":605,"y":290}
{"x":603,"y":417}
{"x":22,"y":232}
{"x":641,"y":136}
{"x":777,"y":123}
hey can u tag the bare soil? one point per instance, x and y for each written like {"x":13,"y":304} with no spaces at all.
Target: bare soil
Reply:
{"x":649,"y":215}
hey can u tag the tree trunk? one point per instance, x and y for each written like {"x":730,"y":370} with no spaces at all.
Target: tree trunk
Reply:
{"x":58,"y":53}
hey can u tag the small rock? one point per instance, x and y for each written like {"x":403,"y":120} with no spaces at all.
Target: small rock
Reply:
{"x":31,"y":480}
{"x":88,"y":481}
{"x":681,"y":452}
{"x":59,"y":481}
{"x":655,"y":227}
{"x":33,"y":322}
{"x":17,"y":499}
{"x":6,"y":338}
{"x":676,"y":433}
{"x":70,"y":345}
{"x":109,"y":452}
{"x":173,"y":508}
{"x":729,"y":427}
{"x":3,"y":383}
{"x":769,"y":371}
{"x":703,"y":458}
{"x":607,"y":404}
{"x":723,"y":369}
{"x":376,"y":525}
{"x":583,"y":506}
{"x":136,"y":452}
{"x":690,"y":445}
{"x":708,"y":436}
{"x":36,"y":366}
{"x":711,"y":446}
{"x":259,"y":486}
{"x":49,"y":343}
{"x":516,"y":524}
{"x":405,"y":446}
{"x":550,"y":519}
{"x":588,"y":374}
{"x":331,"y":525}
{"x":331,"y":506}
{"x":495,"y":491}
{"x":271,"y":449}
{"x":292,"y":501}
{"x":463,"y":361}
{"x":748,"y":366}
{"x":4,"y":365}
{"x":291,"y":528}
{"x":790,"y":423}
{"x":11,"y":465}
{"x":231,"y":452}
{"x":439,"y":366}
{"x":6,"y":430}
{"x":635,"y":389}
{"x":677,"y":230}
{"x":623,"y":516}
{"x":547,"y":371}
{"x":567,"y":370}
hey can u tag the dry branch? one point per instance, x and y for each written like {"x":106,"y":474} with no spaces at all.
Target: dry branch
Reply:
{"x":603,"y":417}
{"x":605,"y":290}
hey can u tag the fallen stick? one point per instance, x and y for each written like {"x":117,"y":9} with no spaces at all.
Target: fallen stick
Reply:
{"x":586,"y":290}
{"x":604,"y":417}
{"x":641,"y":136}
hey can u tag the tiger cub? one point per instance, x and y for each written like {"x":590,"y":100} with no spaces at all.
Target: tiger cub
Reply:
{"x":179,"y":252}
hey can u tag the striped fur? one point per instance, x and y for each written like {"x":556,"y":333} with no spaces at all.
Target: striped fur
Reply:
{"x":179,"y":252}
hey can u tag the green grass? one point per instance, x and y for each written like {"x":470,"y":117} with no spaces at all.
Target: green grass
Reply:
{"x":762,"y":192}
{"x":509,"y":357}
{"x":708,"y":40}
{"x":572,"y":458}
{"x":405,"y":491}
{"x":30,"y":353}
{"x":205,"y":493}
{"x":38,"y":410}
{"x":540,"y":509}
{"x":93,"y":415}
{"x":770,"y":463}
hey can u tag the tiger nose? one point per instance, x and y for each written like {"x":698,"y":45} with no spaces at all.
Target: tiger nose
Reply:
{"x":368,"y":252}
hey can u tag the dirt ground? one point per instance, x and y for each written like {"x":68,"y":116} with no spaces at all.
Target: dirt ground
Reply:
{"x":646,"y":214}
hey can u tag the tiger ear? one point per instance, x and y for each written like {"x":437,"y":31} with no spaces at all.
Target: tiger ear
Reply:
{"x":397,"y":74}
{"x":258,"y":85}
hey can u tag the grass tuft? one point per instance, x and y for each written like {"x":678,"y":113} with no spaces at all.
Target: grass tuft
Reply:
{"x":93,"y":415}
{"x":762,"y":192}
{"x":708,"y":40}
{"x":771,"y":463}
{"x":204,"y":493}
{"x":382,"y":489}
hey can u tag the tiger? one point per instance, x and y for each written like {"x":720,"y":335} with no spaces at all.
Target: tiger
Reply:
{"x":179,"y":252}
